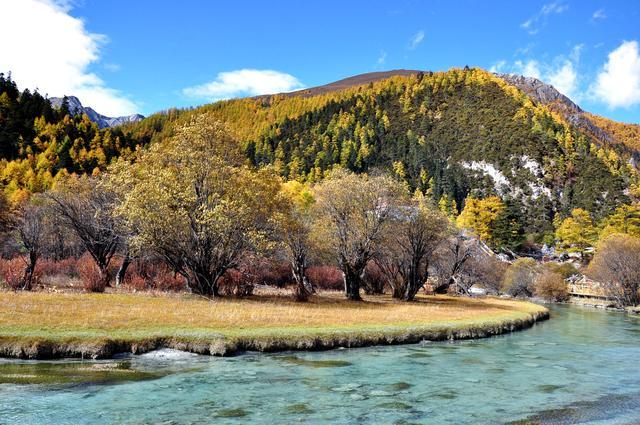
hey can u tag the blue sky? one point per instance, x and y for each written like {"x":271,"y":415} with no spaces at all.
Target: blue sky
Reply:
{"x":145,"y":56}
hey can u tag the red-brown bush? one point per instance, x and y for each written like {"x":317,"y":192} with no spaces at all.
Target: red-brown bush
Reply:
{"x":13,"y":274}
{"x":143,"y":275}
{"x":239,"y":283}
{"x":374,"y":280}
{"x":278,"y":274}
{"x":89,"y":273}
{"x":325,"y":277}
{"x":49,"y":267}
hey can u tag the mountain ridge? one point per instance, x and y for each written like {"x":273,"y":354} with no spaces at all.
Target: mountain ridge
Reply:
{"x":103,"y":121}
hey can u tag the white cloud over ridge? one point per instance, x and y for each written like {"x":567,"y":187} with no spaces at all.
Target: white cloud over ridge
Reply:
{"x":561,"y":73}
{"x":416,"y":40}
{"x":618,"y":82}
{"x":244,"y":82}
{"x":53,"y":53}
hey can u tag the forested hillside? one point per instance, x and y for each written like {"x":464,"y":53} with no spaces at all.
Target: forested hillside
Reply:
{"x":39,"y":144}
{"x":460,"y":133}
{"x":451,"y":135}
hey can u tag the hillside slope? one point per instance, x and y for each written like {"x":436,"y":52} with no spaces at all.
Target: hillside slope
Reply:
{"x":460,"y":133}
{"x":465,"y":132}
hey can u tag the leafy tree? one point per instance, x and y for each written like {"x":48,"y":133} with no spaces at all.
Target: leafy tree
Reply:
{"x":577,"y":232}
{"x":195,"y":205}
{"x":354,"y":210}
{"x":625,"y":219}
{"x":448,"y":206}
{"x":296,"y":223}
{"x":508,"y":231}
{"x":416,"y":231}
{"x":616,"y":265}
{"x":480,"y":216}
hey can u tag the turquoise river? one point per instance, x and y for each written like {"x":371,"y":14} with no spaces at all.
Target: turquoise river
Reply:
{"x":579,"y":367}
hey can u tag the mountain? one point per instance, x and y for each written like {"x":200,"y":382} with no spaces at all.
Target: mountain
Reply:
{"x":460,"y":133}
{"x":454,"y":135}
{"x":345,"y":83}
{"x":603,"y":130}
{"x":76,"y":108}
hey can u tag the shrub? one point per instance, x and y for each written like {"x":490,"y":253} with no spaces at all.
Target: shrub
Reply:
{"x":563,"y":269}
{"x":278,"y":274}
{"x":236,"y":283}
{"x":143,"y":275}
{"x":551,"y":286}
{"x":13,"y":273}
{"x":485,"y":271}
{"x":326,"y":277}
{"x":519,"y":277}
{"x":49,"y":267}
{"x":374,"y":280}
{"x":166,"y":280}
{"x":89,"y":273}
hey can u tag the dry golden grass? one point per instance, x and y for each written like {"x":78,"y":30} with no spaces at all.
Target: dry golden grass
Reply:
{"x":59,"y":315}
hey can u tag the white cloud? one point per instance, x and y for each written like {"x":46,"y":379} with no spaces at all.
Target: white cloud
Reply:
{"x":565,"y":79}
{"x":499,"y":67}
{"x":382,"y":59}
{"x":599,"y":14}
{"x":46,"y":48}
{"x":416,"y":40}
{"x":561,"y":73}
{"x":618,"y":83}
{"x":244,"y":82}
{"x":539,"y":20}
{"x":530,"y":68}
{"x":555,"y":7}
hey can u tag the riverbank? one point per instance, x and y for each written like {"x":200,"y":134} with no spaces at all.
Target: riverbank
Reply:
{"x":59,"y":325}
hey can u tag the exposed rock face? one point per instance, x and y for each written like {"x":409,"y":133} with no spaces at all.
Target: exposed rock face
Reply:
{"x":76,"y":108}
{"x":547,"y":95}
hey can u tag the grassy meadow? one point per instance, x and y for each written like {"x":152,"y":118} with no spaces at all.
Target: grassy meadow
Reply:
{"x":41,"y":325}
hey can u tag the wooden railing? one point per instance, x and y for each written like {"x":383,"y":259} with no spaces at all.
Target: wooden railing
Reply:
{"x":586,"y":290}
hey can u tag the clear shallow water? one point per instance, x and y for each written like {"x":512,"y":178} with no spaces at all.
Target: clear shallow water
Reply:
{"x":579,"y":367}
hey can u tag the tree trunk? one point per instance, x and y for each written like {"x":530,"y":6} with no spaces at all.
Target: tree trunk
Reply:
{"x":204,"y":283}
{"x":396,"y":291}
{"x":122,"y":271}
{"x":443,"y":289}
{"x":28,"y":277}
{"x":299,"y":272}
{"x":352,"y":279}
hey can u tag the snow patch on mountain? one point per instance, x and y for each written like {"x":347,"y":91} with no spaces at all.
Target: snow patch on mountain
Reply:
{"x":531,"y":165}
{"x":499,"y":180}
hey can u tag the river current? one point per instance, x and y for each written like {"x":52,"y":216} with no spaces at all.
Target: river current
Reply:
{"x":579,"y":367}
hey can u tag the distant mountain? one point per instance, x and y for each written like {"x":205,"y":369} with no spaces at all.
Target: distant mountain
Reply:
{"x":76,"y":108}
{"x":345,"y":83}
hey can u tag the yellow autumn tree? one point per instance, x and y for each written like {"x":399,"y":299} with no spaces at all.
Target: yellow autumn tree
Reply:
{"x":625,"y":219}
{"x":479,"y":216}
{"x":448,"y":206}
{"x":577,"y":232}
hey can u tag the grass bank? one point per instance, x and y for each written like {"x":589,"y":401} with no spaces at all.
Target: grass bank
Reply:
{"x":56,"y":325}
